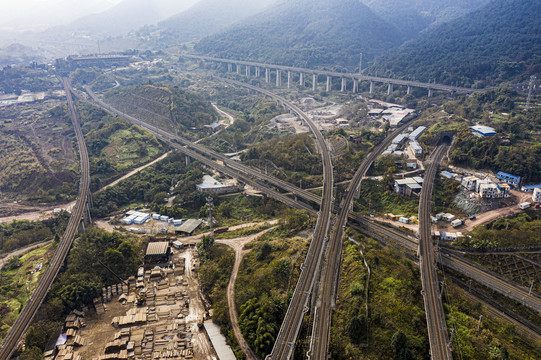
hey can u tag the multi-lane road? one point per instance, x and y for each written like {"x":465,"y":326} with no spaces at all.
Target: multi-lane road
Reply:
{"x":12,"y":339}
{"x":435,"y":316}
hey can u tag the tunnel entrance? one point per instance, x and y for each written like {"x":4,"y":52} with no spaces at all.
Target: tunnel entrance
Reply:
{"x":446,"y":137}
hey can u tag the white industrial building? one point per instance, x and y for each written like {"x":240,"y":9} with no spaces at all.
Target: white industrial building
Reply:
{"x":408,"y":186}
{"x":536,"y":196}
{"x":488,"y":189}
{"x":416,"y":133}
{"x":416,"y":148}
{"x":135,"y":217}
{"x":400,"y":138}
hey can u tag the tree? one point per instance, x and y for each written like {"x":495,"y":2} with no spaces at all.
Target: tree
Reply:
{"x":399,"y":343}
{"x":264,"y":251}
{"x":356,"y":329}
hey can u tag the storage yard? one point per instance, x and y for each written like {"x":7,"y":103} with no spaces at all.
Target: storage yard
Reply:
{"x":167,"y":326}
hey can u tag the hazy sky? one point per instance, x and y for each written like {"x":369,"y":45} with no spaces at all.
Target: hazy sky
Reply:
{"x":24,"y":14}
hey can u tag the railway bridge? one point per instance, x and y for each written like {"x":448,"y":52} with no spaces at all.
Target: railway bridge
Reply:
{"x":279,"y":73}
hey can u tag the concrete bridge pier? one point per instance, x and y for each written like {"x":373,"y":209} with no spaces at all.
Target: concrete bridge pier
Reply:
{"x":238,"y":68}
{"x":187,"y":161}
{"x":389,"y":89}
{"x":278,"y":78}
{"x":409,"y":90}
{"x":257,"y":72}
{"x":329,"y":83}
{"x":289,"y":79}
{"x":355,"y":86}
{"x":344,"y":85}
{"x":429,"y":92}
{"x":301,"y":80}
{"x":267,"y":75}
{"x":314,"y":82}
{"x":229,"y":67}
{"x":371,"y":87}
{"x":248,"y":72}
{"x":87,"y":217}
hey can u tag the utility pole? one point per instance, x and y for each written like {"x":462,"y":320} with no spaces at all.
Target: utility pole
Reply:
{"x":532,"y":80}
{"x":209,"y":208}
{"x":531,"y":287}
{"x":479,"y":324}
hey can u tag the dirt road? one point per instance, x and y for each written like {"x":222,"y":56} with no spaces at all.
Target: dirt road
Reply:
{"x":130,"y":174}
{"x":22,"y":251}
{"x":238,"y":245}
{"x":38,"y":213}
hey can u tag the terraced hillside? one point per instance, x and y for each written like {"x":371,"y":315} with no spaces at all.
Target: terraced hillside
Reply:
{"x":170,"y":108}
{"x":37,"y":156}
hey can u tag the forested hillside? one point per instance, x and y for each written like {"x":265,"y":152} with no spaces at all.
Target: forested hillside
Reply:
{"x":499,"y":42}
{"x":317,"y":33}
{"x":207,"y":17}
{"x":413,"y":16}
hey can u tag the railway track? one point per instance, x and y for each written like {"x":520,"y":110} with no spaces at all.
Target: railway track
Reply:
{"x":435,"y":316}
{"x":330,"y":278}
{"x":285,"y":341}
{"x":284,"y":344}
{"x":22,"y":323}
{"x":390,"y":236}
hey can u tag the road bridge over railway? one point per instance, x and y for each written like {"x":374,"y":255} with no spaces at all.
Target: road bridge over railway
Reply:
{"x":79,"y":216}
{"x":276,"y":73}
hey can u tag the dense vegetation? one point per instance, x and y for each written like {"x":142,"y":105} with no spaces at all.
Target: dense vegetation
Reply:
{"x":517,"y":231}
{"x":152,"y":186}
{"x":266,"y":281}
{"x":114,"y":145}
{"x":251,"y":116}
{"x":393,"y":326}
{"x":216,"y":266}
{"x":499,"y":42}
{"x":17,"y":234}
{"x":413,"y":16}
{"x":168,"y":107}
{"x":307,"y":33}
{"x":13,"y":80}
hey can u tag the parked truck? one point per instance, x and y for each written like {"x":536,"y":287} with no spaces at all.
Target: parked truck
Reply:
{"x":524,"y":205}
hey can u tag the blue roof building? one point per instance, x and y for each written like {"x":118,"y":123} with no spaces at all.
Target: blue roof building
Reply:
{"x":528,"y":188}
{"x":508,"y":178}
{"x":482,"y":130}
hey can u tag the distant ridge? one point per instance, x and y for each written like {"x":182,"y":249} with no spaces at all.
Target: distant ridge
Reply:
{"x":499,"y":42}
{"x":413,"y":16}
{"x":305,"y":33}
{"x":209,"y":16}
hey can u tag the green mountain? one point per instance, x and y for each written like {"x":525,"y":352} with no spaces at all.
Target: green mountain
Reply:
{"x":307,"y":33}
{"x":501,"y":41}
{"x":207,"y":17}
{"x":413,"y":16}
